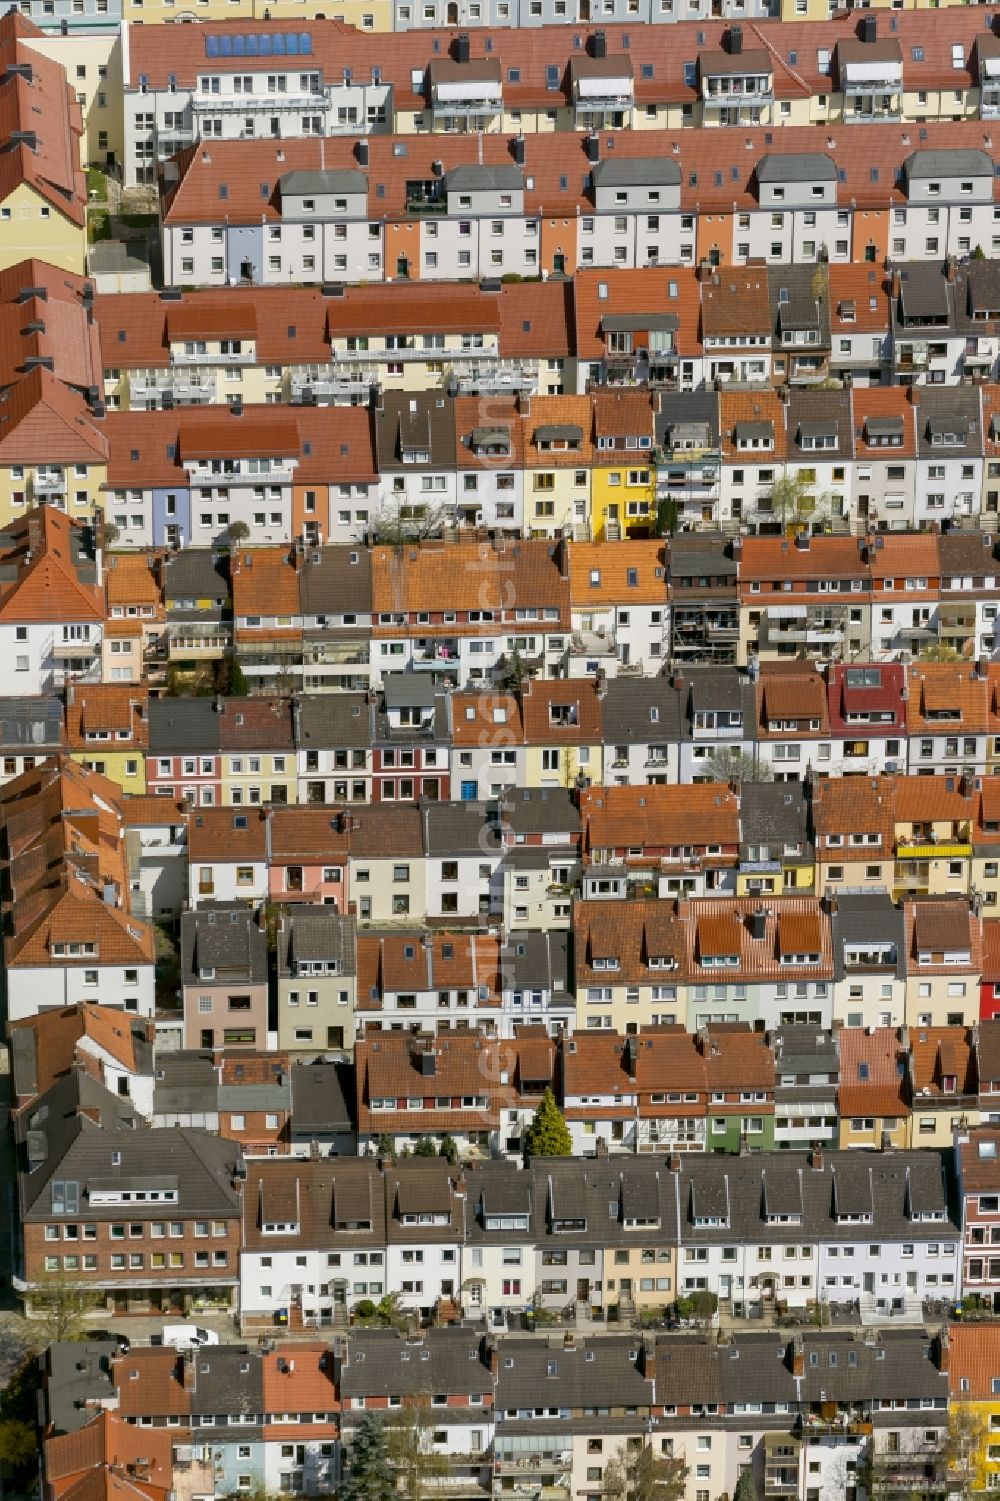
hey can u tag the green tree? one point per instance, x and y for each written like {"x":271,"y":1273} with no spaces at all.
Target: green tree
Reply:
{"x":667,"y":516}
{"x":746,"y":1486}
{"x":939,"y":651}
{"x":424,"y":1147}
{"x":512,"y":672}
{"x":548,"y":1135}
{"x":369,"y":1475}
{"x":385,"y":1147}
{"x":449,"y":1149}
{"x":237,"y":532}
{"x":18,"y":1443}
{"x":727,"y":764}
{"x":236,"y":685}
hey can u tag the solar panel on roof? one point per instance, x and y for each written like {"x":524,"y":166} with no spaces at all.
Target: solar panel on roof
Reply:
{"x":278,"y":44}
{"x":239,"y":46}
{"x":263,"y":46}
{"x":225,"y":46}
{"x":211,"y":46}
{"x":251,"y":44}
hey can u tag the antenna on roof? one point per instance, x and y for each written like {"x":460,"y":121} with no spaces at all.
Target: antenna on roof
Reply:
{"x":322,"y":153}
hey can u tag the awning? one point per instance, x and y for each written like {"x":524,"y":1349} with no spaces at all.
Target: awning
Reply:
{"x":785,"y":612}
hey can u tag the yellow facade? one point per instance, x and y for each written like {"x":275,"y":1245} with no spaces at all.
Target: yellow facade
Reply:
{"x":934,"y":1126}
{"x":572,"y":761}
{"x":257,"y":777}
{"x":833,"y":874}
{"x":21,"y":485}
{"x":622,"y":500}
{"x":791,"y":879}
{"x":942,"y":1000}
{"x":367,"y":15}
{"x":871,"y":1131}
{"x":553,"y":499}
{"x":126,"y":767}
{"x":32,"y":227}
{"x":93,"y":64}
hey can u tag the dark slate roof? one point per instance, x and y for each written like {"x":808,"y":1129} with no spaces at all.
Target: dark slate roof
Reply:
{"x":924,"y":292}
{"x":80,"y":1151}
{"x":792,"y":293}
{"x":329,"y":180}
{"x":340,"y":583}
{"x":540,"y":810}
{"x":227,"y":1378}
{"x":804,"y":1050}
{"x":323,"y":1097}
{"x":948,"y":410}
{"x":382,"y":1363}
{"x":533,"y":957}
{"x":641,"y":710}
{"x":637,"y":172}
{"x":334,"y":720}
{"x":881,"y":1184}
{"x":458,"y":828}
{"x":775,"y":814}
{"x":687,"y":409}
{"x":592,"y":1373}
{"x":77,"y":1372}
{"x":31,"y":724}
{"x":869,"y":916}
{"x":224,"y":936}
{"x":196,"y":573}
{"x":185,"y":1082}
{"x":419,"y":420}
{"x":692,"y":554}
{"x":797,"y":166}
{"x":183,"y":726}
{"x":473,"y":177}
{"x":946,"y":163}
{"x":320,"y":934}
{"x":407,"y":690}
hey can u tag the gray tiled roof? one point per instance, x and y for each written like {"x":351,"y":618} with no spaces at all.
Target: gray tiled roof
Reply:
{"x":458,"y":828}
{"x":590,"y":1373}
{"x":322,"y":934}
{"x":77,"y":1372}
{"x":640,"y":711}
{"x":875,"y":1183}
{"x":323,"y":1096}
{"x":333,"y":720}
{"x":181,"y":726}
{"x":382,"y":1362}
{"x":226,"y":937}
{"x":869,"y":916}
{"x":340,"y":583}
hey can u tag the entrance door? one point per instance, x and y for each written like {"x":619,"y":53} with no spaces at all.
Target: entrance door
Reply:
{"x":207,"y":1037}
{"x":869,"y":1282}
{"x":625,"y":1287}
{"x":558,"y":264}
{"x":583,"y":1290}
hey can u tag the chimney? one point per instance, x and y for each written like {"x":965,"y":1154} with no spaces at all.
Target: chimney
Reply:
{"x":361,"y":153}
{"x":428,"y":1063}
{"x":983,"y":668}
{"x":190,"y":1372}
{"x":569,"y":1340}
{"x":802,"y":540}
{"x":462,"y":47}
{"x":494,"y":1357}
{"x":735,"y":41}
{"x":869,"y":28}
{"x":649,"y":1357}
{"x":599,"y":44}
{"x":798,"y":1358}
{"x":943,"y":1351}
{"x":520,"y":150}
{"x":949,"y":268}
{"x":674,"y":1162}
{"x":296,"y":720}
{"x":593,"y":147}
{"x":816,"y":1157}
{"x":832,"y":905}
{"x":758,"y":924}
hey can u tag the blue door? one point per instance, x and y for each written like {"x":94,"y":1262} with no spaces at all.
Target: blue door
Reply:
{"x":469,"y":791}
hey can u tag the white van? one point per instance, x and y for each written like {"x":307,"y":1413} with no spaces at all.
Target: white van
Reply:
{"x":188,"y":1336}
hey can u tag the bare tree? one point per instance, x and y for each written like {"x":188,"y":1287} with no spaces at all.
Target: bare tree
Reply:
{"x":640,"y":1474}
{"x":965,"y":1450}
{"x":410,"y":1446}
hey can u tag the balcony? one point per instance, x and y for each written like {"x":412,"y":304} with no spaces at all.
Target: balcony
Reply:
{"x":257,"y":104}
{"x":911,"y":357}
{"x":186,"y":388}
{"x":485,"y":375}
{"x":61,"y":650}
{"x":198,"y":643}
{"x":436,"y":656}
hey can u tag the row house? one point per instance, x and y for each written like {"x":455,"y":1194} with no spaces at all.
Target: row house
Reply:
{"x":276,"y":84}
{"x":241,"y":1416}
{"x":331,"y":345}
{"x":292,"y":216}
{"x":666,"y":1089}
{"x":476,"y":1092}
{"x":115,"y":1050}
